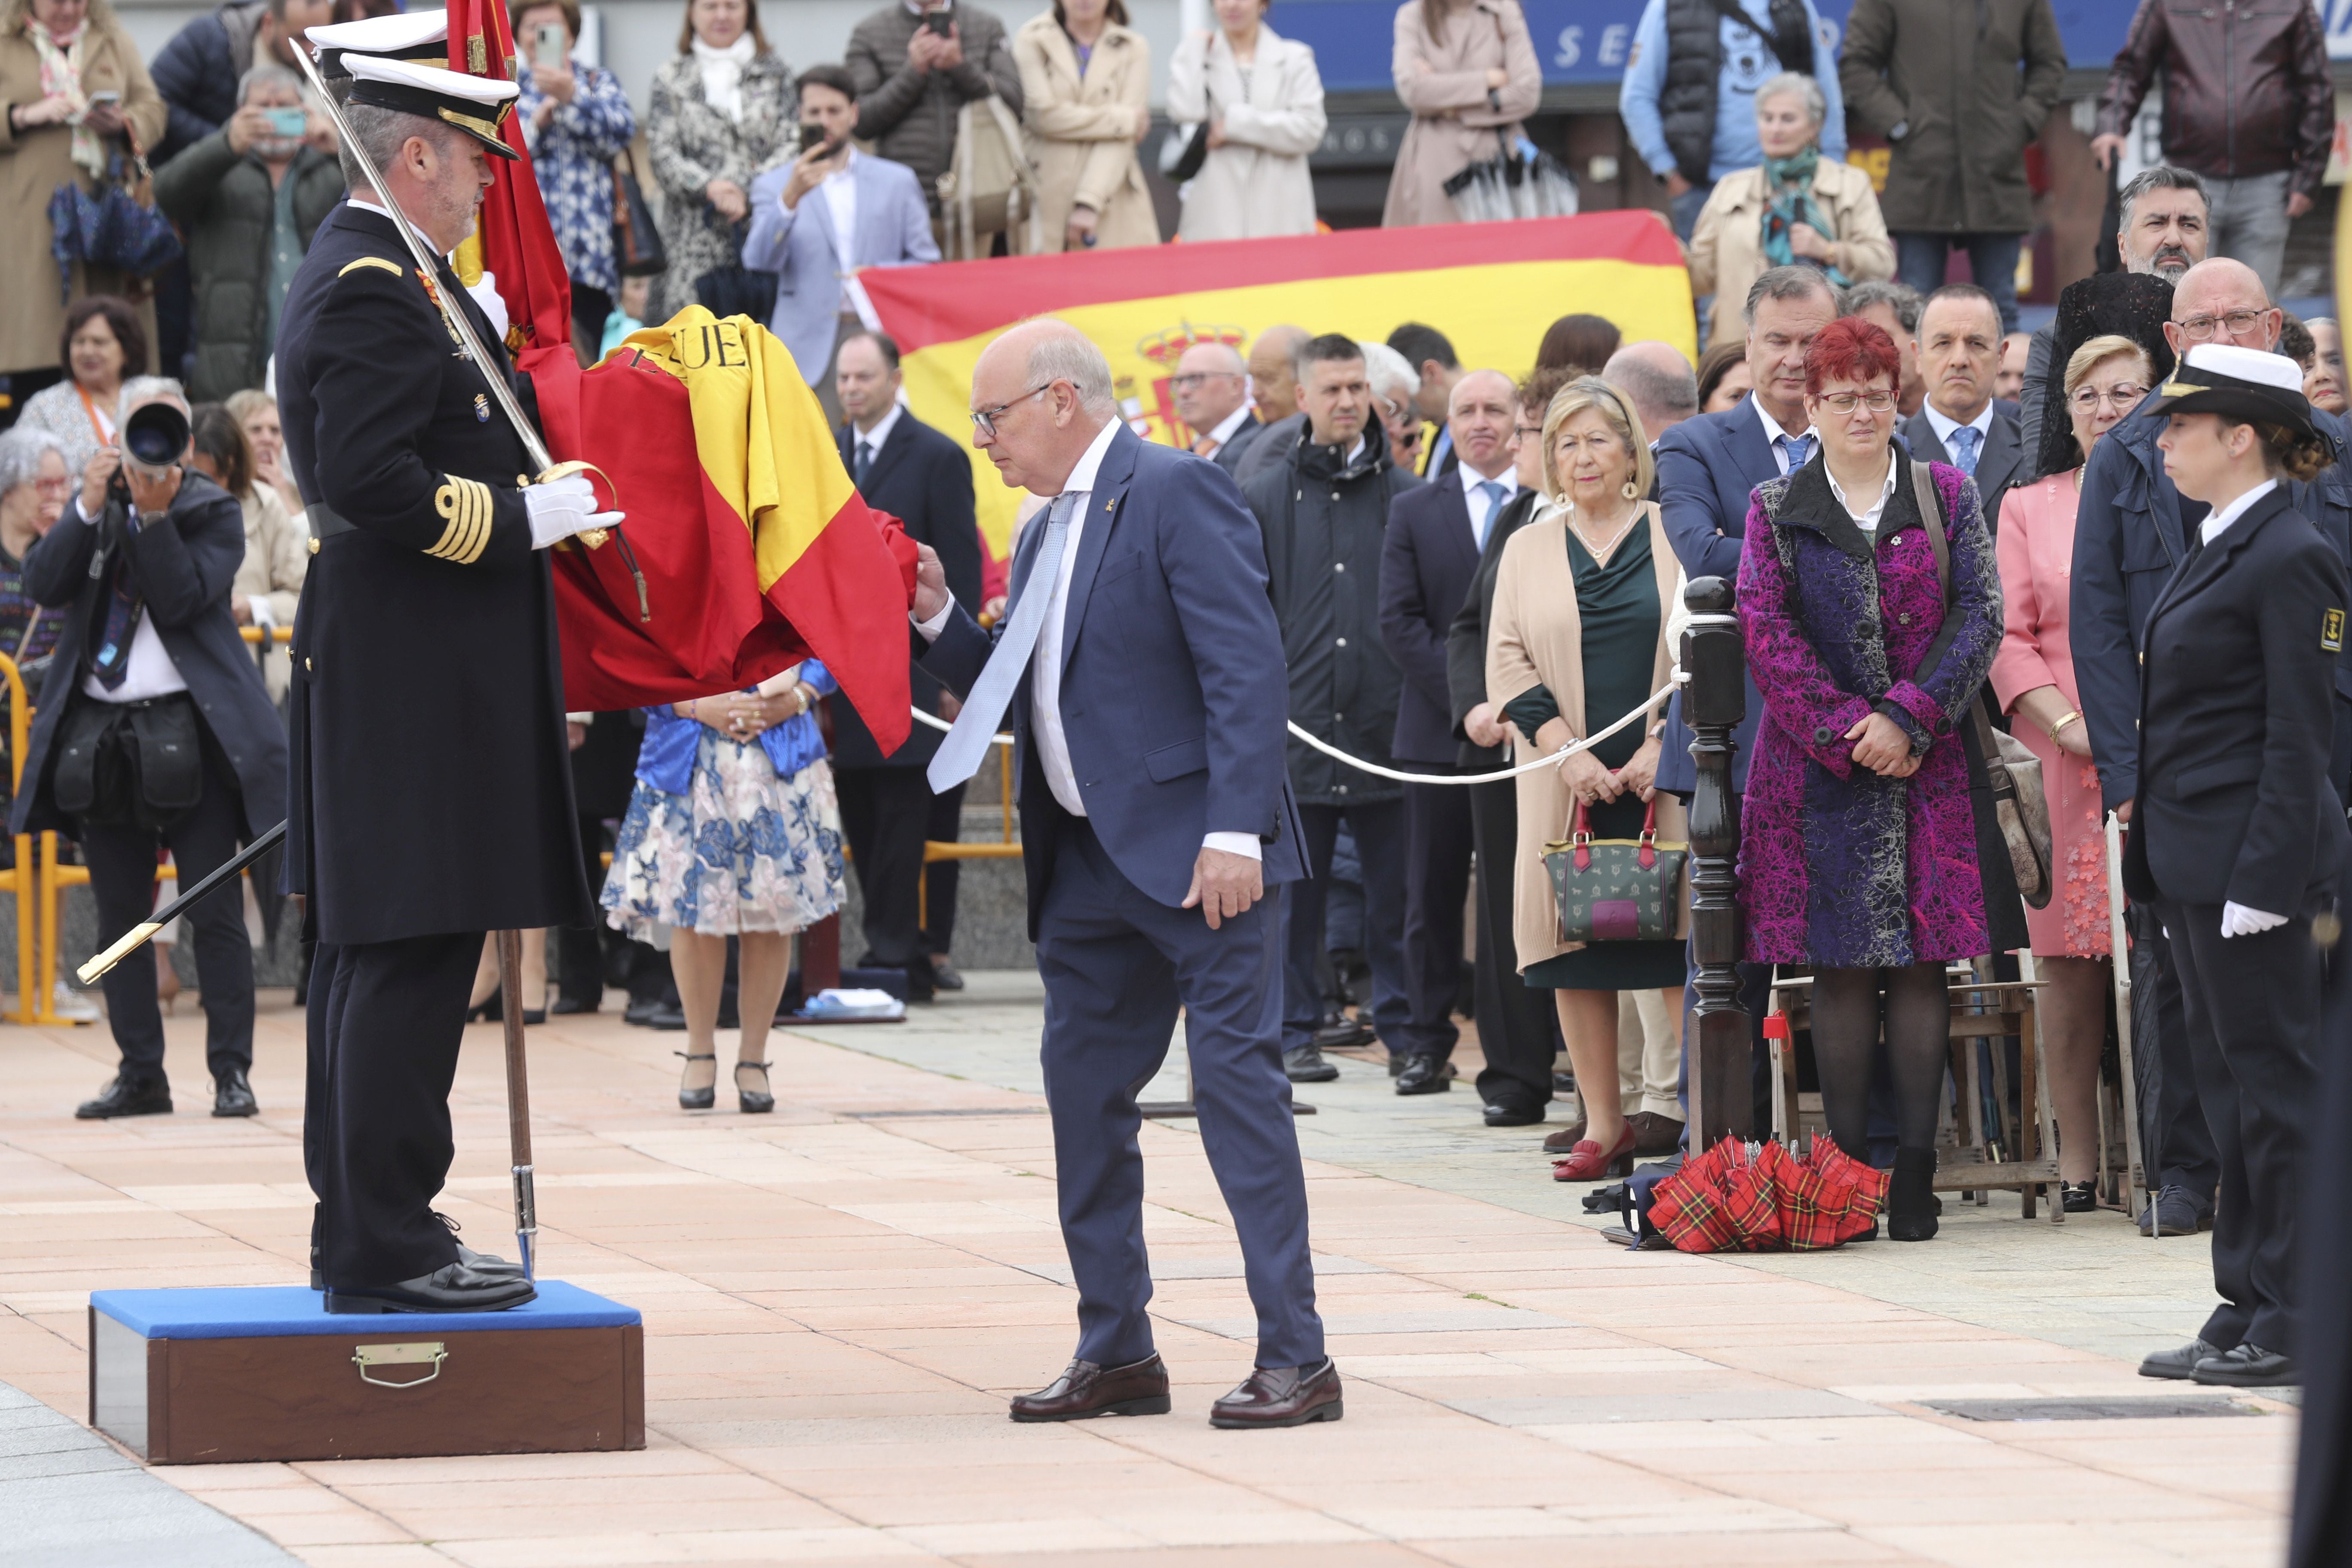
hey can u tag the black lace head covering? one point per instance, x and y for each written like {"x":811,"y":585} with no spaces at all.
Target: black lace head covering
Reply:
{"x":2135,"y":305}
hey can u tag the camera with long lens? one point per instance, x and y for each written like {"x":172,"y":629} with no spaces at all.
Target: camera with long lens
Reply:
{"x":154,"y":439}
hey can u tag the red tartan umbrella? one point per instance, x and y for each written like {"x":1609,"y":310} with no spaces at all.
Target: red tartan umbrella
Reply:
{"x":1728,"y":1200}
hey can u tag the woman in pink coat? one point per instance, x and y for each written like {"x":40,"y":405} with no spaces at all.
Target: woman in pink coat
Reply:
{"x":2033,"y":676}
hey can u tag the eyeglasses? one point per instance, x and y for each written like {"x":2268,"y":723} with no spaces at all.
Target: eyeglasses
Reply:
{"x":1844,"y":403}
{"x":1191,"y":378}
{"x":1524,"y":431}
{"x":2239,"y":323}
{"x":2120,"y":398}
{"x":984,"y":419}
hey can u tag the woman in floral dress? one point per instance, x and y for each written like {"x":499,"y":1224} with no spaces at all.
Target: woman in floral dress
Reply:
{"x":2033,"y":676}
{"x":732,"y":831}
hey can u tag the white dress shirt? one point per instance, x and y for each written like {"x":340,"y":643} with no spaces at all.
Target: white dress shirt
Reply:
{"x":150,"y":673}
{"x":1482,"y":516}
{"x":1046,"y":663}
{"x":1225,"y":428}
{"x":1865,"y":518}
{"x":1774,"y":435}
{"x":1944,"y":426}
{"x":839,"y":190}
{"x":2211,"y":529}
{"x":875,"y":437}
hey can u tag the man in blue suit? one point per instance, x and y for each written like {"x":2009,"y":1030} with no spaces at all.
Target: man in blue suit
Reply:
{"x":1707,"y":466}
{"x":1142,"y":667}
{"x":820,"y":218}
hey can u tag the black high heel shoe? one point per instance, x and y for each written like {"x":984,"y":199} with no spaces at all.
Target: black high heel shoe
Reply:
{"x":1911,"y":1204}
{"x":753,"y":1101}
{"x":701,"y":1098}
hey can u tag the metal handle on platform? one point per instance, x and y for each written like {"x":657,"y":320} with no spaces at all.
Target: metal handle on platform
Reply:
{"x":418,"y":1352}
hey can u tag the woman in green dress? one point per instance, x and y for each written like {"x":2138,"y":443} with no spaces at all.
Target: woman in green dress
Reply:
{"x":1579,"y":640}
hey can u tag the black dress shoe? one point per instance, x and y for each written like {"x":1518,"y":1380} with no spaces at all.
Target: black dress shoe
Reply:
{"x":1512,"y":1113}
{"x":2247,"y":1365}
{"x":2175,"y":1211}
{"x":488,"y":1262}
{"x":701,"y":1098}
{"x":1303,"y":1064}
{"x":1425,"y":1075}
{"x":1347,"y":1034}
{"x":533,"y":1016}
{"x":1282,"y":1396}
{"x":2078,"y":1197}
{"x":945,"y":975}
{"x":566,"y":1006}
{"x":1083,"y":1390}
{"x":232,"y":1096}
{"x":454,"y":1287}
{"x":134,"y":1096}
{"x":642,"y":1011}
{"x":753,"y":1101}
{"x":2177,"y":1365}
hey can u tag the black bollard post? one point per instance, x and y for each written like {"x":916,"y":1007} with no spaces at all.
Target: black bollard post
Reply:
{"x":1721,"y":1101}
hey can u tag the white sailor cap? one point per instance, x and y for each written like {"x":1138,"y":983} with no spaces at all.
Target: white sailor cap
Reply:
{"x":2238,"y":384}
{"x":421,"y":36}
{"x":474,"y":104}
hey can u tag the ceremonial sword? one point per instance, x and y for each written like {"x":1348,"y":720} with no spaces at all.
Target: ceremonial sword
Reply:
{"x":461,"y":328}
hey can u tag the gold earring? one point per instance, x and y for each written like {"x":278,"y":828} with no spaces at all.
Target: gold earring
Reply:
{"x":1631,"y":493}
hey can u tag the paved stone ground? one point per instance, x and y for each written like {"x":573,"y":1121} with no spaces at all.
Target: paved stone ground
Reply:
{"x":839,"y":1297}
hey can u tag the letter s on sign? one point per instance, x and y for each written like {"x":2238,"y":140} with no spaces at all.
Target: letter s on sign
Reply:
{"x":1571,"y":46}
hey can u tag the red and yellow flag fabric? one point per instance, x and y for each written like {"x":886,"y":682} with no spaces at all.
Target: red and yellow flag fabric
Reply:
{"x":756,"y":549}
{"x":1492,"y":288}
{"x":513,"y":240}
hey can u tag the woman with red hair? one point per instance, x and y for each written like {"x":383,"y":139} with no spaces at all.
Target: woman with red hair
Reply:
{"x":1859,"y":847}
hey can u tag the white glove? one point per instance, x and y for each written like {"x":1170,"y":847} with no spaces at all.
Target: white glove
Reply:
{"x":494,"y":305}
{"x":2238,"y":920}
{"x":562,"y":507}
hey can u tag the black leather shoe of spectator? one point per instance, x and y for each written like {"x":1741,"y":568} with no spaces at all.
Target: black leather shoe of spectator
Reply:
{"x":2177,"y":1365}
{"x":2247,"y":1365}
{"x":565,"y":1007}
{"x":1425,"y":1075}
{"x":1501,"y":1112}
{"x":1347,"y":1034}
{"x":945,"y":975}
{"x":129,"y":1096}
{"x":1305,"y":1065}
{"x":232,"y":1096}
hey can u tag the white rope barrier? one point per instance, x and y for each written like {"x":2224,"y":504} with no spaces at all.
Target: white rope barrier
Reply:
{"x":1680,"y":676}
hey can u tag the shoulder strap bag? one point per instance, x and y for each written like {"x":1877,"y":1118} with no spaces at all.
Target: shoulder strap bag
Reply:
{"x":2013,"y":772}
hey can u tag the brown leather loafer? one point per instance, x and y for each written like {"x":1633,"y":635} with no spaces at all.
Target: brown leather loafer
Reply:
{"x":1282,"y":1396}
{"x":1566,"y":1139}
{"x":1139,"y":1388}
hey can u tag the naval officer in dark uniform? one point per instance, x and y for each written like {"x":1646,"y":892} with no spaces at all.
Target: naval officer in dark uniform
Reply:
{"x":431,"y":795}
{"x":2237,"y":834}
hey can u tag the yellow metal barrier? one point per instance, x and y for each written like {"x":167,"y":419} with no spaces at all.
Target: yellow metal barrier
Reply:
{"x":934,"y":851}
{"x":277,"y":635}
{"x":21,"y":877}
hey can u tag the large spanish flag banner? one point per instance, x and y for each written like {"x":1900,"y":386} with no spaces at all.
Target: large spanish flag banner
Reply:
{"x":755,"y":548}
{"x":1492,"y":288}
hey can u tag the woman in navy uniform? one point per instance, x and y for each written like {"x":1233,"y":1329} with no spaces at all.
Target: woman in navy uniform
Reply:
{"x":431,"y":796}
{"x":2237,"y":834}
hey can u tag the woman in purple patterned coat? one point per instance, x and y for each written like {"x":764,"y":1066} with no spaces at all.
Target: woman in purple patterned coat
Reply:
{"x":1858,"y":850}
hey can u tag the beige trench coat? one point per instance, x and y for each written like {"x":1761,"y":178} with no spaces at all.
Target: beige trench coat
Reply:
{"x":276,"y":559}
{"x":1081,"y":132}
{"x":1444,"y":85}
{"x":1726,"y":246}
{"x":35,"y":163}
{"x":1257,"y":185}
{"x":1538,"y":640}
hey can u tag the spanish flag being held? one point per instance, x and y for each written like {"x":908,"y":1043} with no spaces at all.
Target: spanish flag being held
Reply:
{"x":757,"y":551}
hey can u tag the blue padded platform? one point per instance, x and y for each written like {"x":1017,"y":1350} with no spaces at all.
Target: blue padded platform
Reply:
{"x":267,"y":1311}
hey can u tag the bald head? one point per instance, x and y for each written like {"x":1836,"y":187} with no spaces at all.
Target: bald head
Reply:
{"x":1657,"y":380}
{"x":1045,"y":391}
{"x":2223,"y":301}
{"x":1481,"y":411}
{"x":1274,"y":371}
{"x":1210,"y":385}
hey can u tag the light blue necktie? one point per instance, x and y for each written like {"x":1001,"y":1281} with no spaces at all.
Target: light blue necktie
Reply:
{"x":958,"y":755}
{"x":1492,"y":489}
{"x":1800,"y":449}
{"x":1963,"y":449}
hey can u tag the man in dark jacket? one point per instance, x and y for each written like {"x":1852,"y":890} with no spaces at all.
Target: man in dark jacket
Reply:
{"x":914,"y":72}
{"x":2133,"y":527}
{"x":1435,"y":533}
{"x":1940,"y":82}
{"x":906,"y":468}
{"x":151,"y":658}
{"x":2249,"y":103}
{"x":247,"y":230}
{"x":1325,"y":512}
{"x":198,"y":72}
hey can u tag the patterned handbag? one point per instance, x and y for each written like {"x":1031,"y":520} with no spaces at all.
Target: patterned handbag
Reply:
{"x":1616,"y":889}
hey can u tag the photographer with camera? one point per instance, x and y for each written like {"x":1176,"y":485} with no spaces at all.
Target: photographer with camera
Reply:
{"x":153,"y":727}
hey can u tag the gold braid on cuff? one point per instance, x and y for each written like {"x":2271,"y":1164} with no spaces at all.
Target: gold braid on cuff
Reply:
{"x":465,"y":507}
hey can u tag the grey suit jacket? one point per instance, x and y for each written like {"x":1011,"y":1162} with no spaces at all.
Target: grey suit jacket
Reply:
{"x":893,"y":230}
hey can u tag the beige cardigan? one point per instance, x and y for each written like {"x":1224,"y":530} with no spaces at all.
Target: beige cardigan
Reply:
{"x":1444,"y":85}
{"x":1081,"y":131}
{"x":1727,"y":246}
{"x":1538,"y":640}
